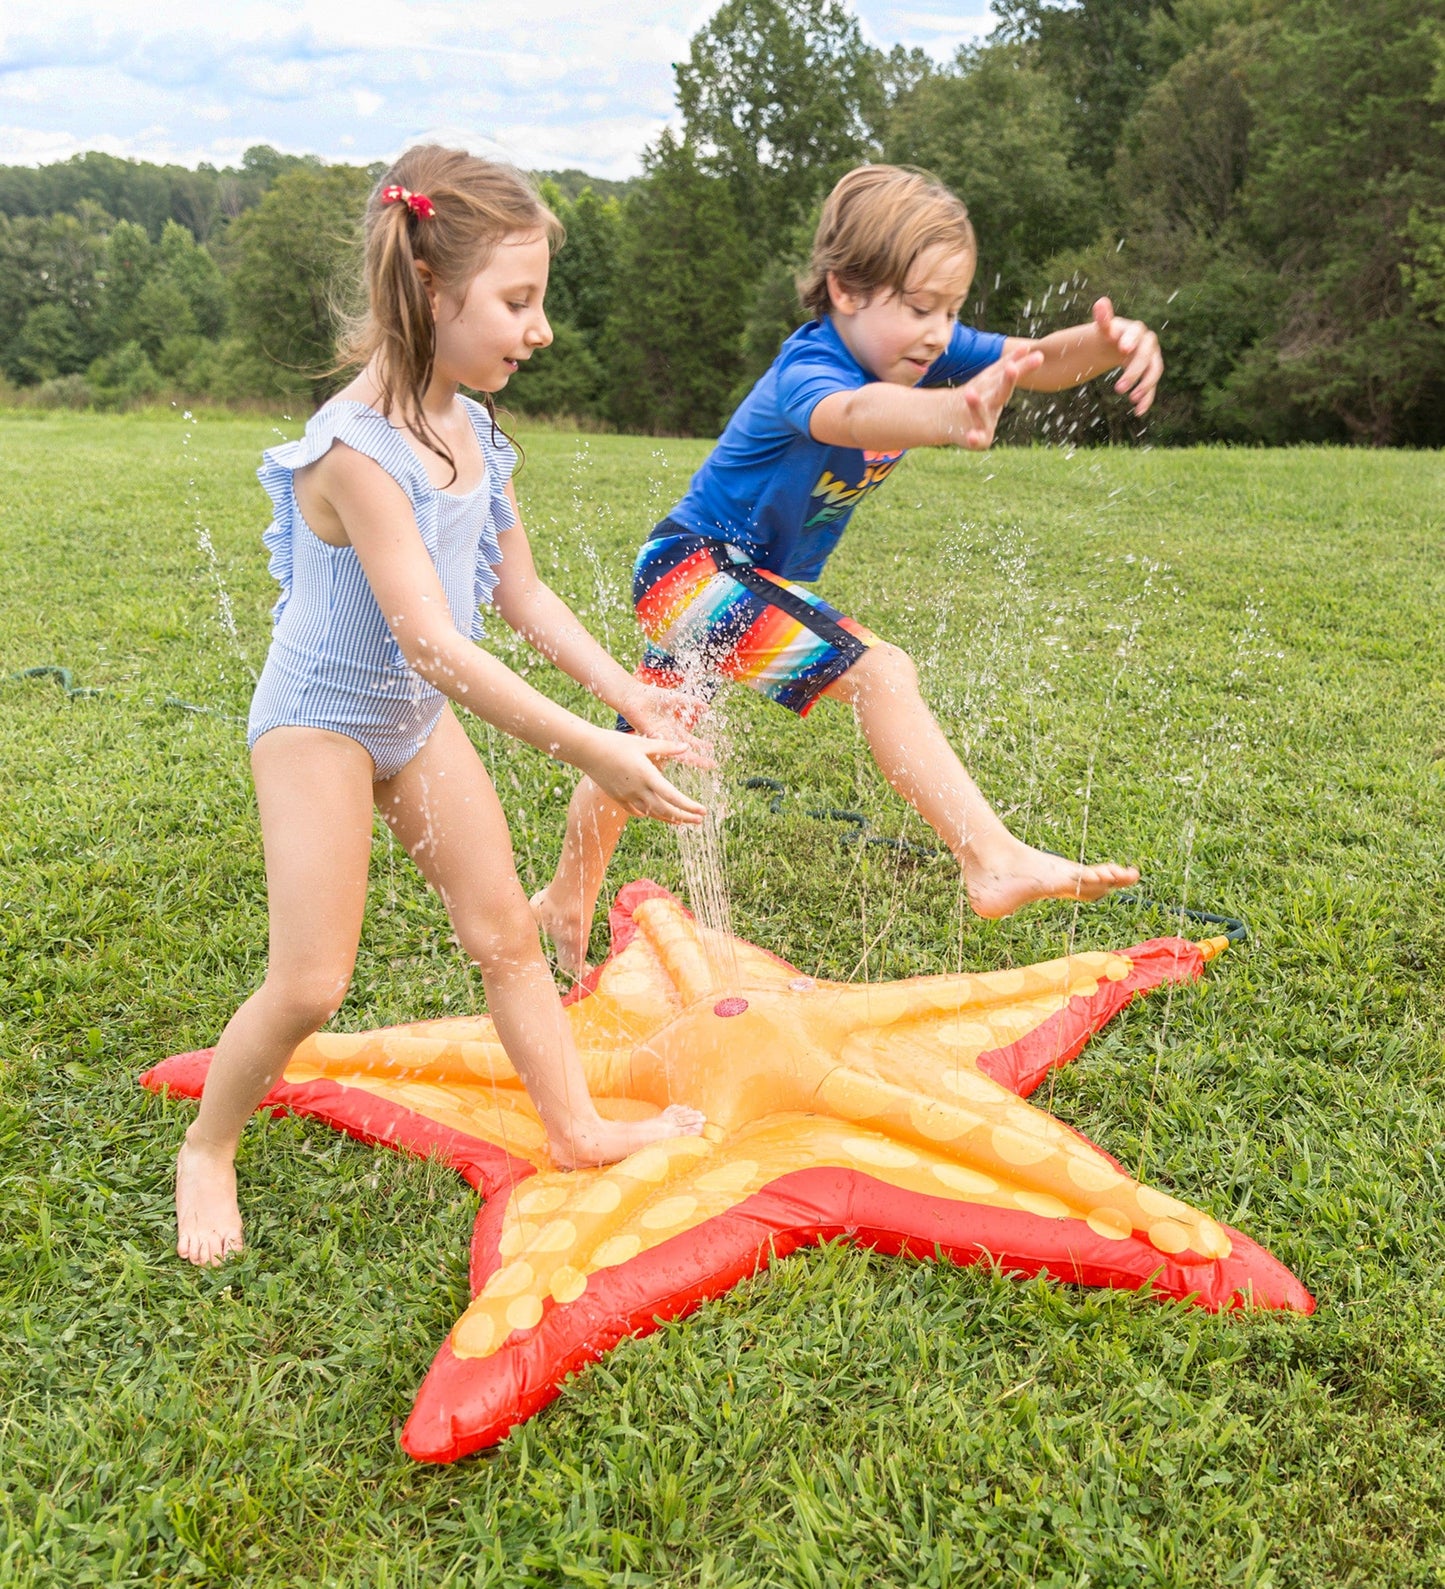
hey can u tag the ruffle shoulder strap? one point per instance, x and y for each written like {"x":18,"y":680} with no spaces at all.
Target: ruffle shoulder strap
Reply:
{"x":360,"y":428}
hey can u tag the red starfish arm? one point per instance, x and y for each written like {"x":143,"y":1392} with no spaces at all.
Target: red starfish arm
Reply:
{"x":1022,"y":1065}
{"x":466,"y":1403}
{"x":366,"y":1117}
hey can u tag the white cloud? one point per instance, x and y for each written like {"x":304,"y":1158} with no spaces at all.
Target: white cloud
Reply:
{"x":553,"y":83}
{"x":939,"y":30}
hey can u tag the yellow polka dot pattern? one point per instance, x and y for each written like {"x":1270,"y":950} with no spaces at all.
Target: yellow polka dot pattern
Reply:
{"x":878,"y":1079}
{"x":618,"y":1215}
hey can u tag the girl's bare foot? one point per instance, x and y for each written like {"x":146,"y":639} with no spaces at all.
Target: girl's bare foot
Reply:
{"x":568,"y":928}
{"x":606,"y":1141}
{"x":208,"y":1218}
{"x":1010,"y":874}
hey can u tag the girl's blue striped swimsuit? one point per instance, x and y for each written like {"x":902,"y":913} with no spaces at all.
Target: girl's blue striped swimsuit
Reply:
{"x":333,"y":662}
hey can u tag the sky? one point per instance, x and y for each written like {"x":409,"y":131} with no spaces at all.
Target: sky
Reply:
{"x":545,"y":84}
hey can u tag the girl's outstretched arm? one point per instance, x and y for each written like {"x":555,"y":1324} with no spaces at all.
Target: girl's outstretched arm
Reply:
{"x":378,"y":521}
{"x":527,"y":604}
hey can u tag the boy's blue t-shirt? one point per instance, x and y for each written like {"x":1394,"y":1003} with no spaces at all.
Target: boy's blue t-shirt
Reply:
{"x":768,"y":487}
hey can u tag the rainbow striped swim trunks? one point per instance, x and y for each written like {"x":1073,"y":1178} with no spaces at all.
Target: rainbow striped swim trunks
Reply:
{"x":710,"y":613}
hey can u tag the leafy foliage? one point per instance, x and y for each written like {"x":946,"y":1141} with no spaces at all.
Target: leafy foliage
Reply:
{"x":1098,"y":54}
{"x":292,"y":253}
{"x":1262,"y":180}
{"x":1344,"y":107}
{"x":564,"y":379}
{"x":779,"y":98}
{"x":144,"y":194}
{"x":672,"y":339}
{"x":996,"y":130}
{"x":1277,"y":179}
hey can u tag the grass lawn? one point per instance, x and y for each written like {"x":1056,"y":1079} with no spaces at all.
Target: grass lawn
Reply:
{"x":1224,"y":665}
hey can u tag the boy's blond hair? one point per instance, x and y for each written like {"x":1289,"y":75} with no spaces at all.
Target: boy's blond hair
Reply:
{"x":875,"y":224}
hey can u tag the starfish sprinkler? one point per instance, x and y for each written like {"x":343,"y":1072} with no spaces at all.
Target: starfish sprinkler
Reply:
{"x":890,"y":1113}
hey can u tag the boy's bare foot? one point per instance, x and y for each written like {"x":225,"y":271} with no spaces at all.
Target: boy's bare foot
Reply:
{"x":208,"y":1218}
{"x":1010,"y":874}
{"x":606,"y":1141}
{"x":569,"y":931}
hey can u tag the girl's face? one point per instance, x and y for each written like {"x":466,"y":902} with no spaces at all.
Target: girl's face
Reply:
{"x":498,"y":321}
{"x":897,"y":335}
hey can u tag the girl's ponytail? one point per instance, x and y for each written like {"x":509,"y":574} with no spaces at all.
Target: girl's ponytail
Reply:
{"x":447,"y":210}
{"x":401,"y":314}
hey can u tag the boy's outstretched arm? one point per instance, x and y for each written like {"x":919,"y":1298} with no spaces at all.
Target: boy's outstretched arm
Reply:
{"x":883,"y":417}
{"x":1079,"y":353}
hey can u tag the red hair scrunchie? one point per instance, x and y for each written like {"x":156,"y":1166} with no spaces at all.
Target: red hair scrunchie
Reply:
{"x":418,"y":203}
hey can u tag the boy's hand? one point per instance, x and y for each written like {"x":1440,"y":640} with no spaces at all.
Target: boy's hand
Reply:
{"x":983,"y":398}
{"x":669,"y":715}
{"x":623,"y":765}
{"x":1138,"y":350}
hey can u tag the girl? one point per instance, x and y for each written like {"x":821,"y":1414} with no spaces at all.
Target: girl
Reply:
{"x":395,"y":518}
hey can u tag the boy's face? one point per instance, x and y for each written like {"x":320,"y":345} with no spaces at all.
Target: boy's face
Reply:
{"x":897,"y":335}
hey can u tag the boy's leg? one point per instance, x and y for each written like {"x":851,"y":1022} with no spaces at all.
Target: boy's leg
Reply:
{"x":595,"y":822}
{"x":565,"y":907}
{"x":1001,"y":873}
{"x":317,"y":852}
{"x":443,"y":809}
{"x":710,"y":614}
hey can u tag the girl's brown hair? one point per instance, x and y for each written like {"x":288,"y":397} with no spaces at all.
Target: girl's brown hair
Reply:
{"x":875,"y":224}
{"x":475,"y":204}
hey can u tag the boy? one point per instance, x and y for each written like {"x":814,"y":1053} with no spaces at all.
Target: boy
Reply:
{"x":848,"y":394}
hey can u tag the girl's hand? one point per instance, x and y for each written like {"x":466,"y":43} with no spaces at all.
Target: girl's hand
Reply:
{"x":669,"y":715}
{"x":1138,"y":350}
{"x":983,"y":398}
{"x":623,"y":765}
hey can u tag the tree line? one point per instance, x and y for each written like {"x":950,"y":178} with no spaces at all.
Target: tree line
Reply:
{"x":1263,"y":180}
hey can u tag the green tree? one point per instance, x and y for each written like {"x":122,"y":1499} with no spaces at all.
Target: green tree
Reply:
{"x":1177,"y":255}
{"x":1347,"y":145}
{"x":1184,"y":155}
{"x":565,"y":379}
{"x":995,"y":131}
{"x":671,"y":344}
{"x":779,"y":97}
{"x":1099,"y":53}
{"x":19,"y":286}
{"x":123,"y":377}
{"x":293,"y":255}
{"x":161,"y":311}
{"x":583,"y":279}
{"x":53,"y":263}
{"x":1424,"y":273}
{"x":773,"y":310}
{"x":130,"y":262}
{"x":51,"y":342}
{"x":198,"y":278}
{"x":131,"y":190}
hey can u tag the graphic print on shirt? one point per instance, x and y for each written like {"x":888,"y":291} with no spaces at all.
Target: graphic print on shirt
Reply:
{"x":838,"y":497}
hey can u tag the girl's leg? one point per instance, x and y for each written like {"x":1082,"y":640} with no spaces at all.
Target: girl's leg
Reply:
{"x":444,"y":810}
{"x":1000,"y":872}
{"x":565,"y":907}
{"x":313,"y":789}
